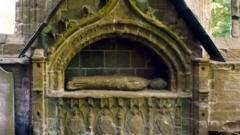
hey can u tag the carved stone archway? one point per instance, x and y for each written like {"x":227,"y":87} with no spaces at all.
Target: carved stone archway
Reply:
{"x":176,"y":56}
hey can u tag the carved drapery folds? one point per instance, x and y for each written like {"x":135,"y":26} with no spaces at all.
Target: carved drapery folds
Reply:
{"x":118,"y":116}
{"x":75,"y":124}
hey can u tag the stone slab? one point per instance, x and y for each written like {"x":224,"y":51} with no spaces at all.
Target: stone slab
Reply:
{"x":7,"y":124}
{"x":123,"y":94}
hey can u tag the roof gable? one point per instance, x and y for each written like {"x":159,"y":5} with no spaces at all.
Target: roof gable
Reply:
{"x":93,"y":7}
{"x":197,"y":29}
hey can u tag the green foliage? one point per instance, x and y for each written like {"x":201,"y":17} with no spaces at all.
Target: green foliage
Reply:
{"x":221,"y":19}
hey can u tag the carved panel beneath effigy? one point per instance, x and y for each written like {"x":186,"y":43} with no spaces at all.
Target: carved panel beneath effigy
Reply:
{"x":120,"y":116}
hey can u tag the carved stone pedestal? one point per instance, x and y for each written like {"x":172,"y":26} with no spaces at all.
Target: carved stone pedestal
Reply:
{"x":117,"y":116}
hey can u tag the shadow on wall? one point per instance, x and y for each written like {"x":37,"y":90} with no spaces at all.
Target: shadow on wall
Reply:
{"x":21,"y":76}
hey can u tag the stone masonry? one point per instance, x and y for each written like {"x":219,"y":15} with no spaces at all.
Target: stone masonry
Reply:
{"x":207,"y":97}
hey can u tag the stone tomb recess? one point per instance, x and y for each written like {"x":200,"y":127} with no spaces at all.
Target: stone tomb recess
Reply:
{"x":117,"y":40}
{"x":119,"y":57}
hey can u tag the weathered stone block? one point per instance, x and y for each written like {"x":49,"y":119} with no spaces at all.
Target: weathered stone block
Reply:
{"x":37,"y":112}
{"x":218,"y":116}
{"x":50,"y":3}
{"x":2,"y":38}
{"x":232,"y":85}
{"x":117,"y":59}
{"x":93,"y":72}
{"x":11,"y":49}
{"x":109,"y":71}
{"x":19,"y":15}
{"x":139,"y":60}
{"x":224,"y":106}
{"x":40,"y":15}
{"x":52,"y":126}
{"x":233,"y":116}
{"x":52,"y":109}
{"x":229,"y":47}
{"x":38,"y":80}
{"x":130,"y":72}
{"x":228,"y":96}
{"x":27,"y":29}
{"x":220,"y":76}
{"x":37,"y":128}
{"x":92,"y":59}
{"x":37,"y":96}
{"x":38,"y":4}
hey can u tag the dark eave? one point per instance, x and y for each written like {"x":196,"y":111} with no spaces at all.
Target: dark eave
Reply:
{"x":181,"y":8}
{"x":197,"y":29}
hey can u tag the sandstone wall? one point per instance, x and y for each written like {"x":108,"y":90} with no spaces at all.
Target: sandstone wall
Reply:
{"x":202,"y":9}
{"x":224,"y":101}
{"x":223,"y":82}
{"x":224,"y":96}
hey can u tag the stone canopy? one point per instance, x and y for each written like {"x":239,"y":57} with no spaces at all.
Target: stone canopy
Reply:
{"x":70,"y":22}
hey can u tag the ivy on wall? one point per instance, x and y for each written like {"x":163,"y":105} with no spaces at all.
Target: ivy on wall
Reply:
{"x":221,"y":18}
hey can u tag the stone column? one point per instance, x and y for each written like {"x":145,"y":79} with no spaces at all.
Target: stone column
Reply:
{"x":38,"y":92}
{"x":201,"y":95}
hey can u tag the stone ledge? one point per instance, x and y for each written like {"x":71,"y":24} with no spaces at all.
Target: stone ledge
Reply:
{"x":14,"y":60}
{"x":123,"y":94}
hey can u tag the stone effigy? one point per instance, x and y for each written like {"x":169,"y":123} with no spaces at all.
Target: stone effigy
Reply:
{"x":115,"y":83}
{"x":158,"y":84}
{"x":108,"y":83}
